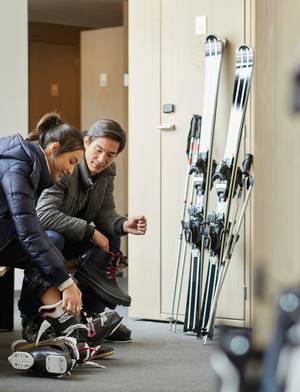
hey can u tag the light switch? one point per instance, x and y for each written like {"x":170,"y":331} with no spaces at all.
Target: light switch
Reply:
{"x":103,"y":79}
{"x":54,"y":90}
{"x":200,"y":25}
{"x":125,"y":79}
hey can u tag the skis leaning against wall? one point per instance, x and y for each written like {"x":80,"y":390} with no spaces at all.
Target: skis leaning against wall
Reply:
{"x":202,"y":172}
{"x":195,"y":200}
{"x":222,"y":227}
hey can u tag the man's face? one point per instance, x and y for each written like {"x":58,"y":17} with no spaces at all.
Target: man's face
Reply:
{"x":100,"y":153}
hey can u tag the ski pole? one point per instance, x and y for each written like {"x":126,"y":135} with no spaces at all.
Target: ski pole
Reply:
{"x":193,"y":146}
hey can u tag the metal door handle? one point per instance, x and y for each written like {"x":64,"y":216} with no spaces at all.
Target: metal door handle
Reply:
{"x":167,"y":127}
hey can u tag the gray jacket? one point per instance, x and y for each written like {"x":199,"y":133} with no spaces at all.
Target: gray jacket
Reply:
{"x":70,"y":206}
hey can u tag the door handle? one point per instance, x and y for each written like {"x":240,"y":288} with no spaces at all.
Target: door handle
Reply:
{"x":167,"y":127}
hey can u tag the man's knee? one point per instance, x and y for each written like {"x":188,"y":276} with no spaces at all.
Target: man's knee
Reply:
{"x":57,"y":239}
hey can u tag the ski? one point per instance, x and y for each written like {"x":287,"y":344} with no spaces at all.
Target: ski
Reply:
{"x":221,"y":231}
{"x":196,"y":190}
{"x":201,"y":171}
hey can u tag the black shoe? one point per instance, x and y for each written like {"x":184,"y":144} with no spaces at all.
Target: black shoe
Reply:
{"x":121,"y":335}
{"x":97,"y":269}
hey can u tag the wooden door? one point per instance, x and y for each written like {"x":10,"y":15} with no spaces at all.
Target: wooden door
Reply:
{"x":54,"y":77}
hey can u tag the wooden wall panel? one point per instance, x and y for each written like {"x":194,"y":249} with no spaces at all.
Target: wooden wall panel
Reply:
{"x":54,"y":60}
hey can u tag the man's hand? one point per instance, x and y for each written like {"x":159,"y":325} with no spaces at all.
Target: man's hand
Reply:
{"x":136,"y":225}
{"x":100,"y":240}
{"x":72,"y":299}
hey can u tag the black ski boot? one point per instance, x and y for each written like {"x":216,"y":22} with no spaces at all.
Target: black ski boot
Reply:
{"x":31,"y":326}
{"x":82,"y":351}
{"x":54,"y":357}
{"x":84,"y":329}
{"x":98,"y":269}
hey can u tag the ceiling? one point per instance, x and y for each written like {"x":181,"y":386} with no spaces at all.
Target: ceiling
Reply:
{"x":85,"y":13}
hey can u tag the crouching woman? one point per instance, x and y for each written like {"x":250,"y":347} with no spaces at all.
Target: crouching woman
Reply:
{"x":26,"y":169}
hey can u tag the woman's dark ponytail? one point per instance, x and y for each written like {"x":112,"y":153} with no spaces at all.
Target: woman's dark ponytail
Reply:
{"x":51,"y":129}
{"x":48,"y":121}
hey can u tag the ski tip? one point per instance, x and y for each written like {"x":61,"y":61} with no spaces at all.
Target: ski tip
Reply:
{"x":245,"y":56}
{"x":215,"y":40}
{"x":245,"y":49}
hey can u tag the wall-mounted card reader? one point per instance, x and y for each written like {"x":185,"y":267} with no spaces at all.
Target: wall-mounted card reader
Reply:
{"x":168,"y":108}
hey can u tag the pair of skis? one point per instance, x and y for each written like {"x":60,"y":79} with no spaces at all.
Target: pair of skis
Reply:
{"x":196,"y":188}
{"x":214,"y":232}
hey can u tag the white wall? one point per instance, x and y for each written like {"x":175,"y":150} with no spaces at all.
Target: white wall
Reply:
{"x":14,"y":67}
{"x":14,"y":75}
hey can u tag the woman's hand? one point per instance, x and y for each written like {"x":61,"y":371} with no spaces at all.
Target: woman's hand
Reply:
{"x":71,"y":297}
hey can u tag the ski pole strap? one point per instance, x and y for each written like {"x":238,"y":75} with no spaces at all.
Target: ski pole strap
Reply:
{"x":195,"y":130}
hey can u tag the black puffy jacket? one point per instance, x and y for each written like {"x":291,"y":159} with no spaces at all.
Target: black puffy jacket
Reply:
{"x":23,"y":176}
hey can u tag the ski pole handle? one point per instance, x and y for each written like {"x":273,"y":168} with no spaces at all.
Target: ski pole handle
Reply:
{"x":247,"y":163}
{"x":195,"y":126}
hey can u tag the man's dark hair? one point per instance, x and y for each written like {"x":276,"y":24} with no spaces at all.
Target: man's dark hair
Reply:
{"x":108,"y":128}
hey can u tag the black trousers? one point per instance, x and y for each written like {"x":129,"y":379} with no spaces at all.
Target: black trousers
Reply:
{"x":13,"y":255}
{"x":29,"y":304}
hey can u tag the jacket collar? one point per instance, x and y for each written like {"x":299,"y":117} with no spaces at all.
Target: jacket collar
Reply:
{"x":85,"y":176}
{"x":40,"y":175}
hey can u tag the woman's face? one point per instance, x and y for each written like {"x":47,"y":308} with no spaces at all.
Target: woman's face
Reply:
{"x":62,"y":164}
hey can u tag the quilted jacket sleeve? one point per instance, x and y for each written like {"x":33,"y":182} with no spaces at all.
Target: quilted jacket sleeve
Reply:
{"x":21,"y":201}
{"x":52,"y":217}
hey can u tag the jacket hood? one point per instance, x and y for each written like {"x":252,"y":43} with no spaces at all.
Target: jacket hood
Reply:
{"x":15,"y":147}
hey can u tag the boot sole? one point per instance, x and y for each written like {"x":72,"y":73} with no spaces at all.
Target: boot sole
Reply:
{"x":21,"y":360}
{"x":54,"y":364}
{"x":119,"y":341}
{"x":106,"y":295}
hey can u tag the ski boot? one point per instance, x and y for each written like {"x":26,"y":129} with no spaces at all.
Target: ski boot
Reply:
{"x":86,"y":352}
{"x":98,"y":269}
{"x":54,"y":357}
{"x":66,"y":324}
{"x":31,"y":326}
